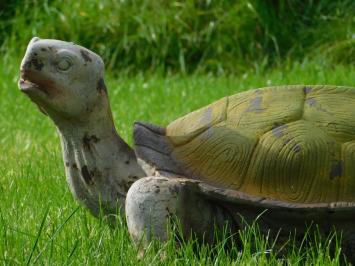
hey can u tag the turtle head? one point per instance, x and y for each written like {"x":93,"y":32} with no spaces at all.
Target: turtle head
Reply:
{"x":65,"y":80}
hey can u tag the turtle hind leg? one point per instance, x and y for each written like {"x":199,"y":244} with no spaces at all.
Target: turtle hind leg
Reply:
{"x":152,"y":201}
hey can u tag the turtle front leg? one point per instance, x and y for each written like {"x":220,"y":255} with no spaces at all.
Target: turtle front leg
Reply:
{"x":152,"y":201}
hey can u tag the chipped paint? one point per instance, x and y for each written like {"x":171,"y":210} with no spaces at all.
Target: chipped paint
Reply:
{"x":287,"y":141}
{"x":86,"y":175}
{"x":85,"y":55}
{"x":207,"y":134}
{"x":206,"y":117}
{"x":297,"y":148}
{"x":279,"y":131}
{"x":307,"y":90}
{"x":255,"y":105}
{"x":89,"y":140}
{"x":174,"y":189}
{"x":101,"y":87}
{"x":98,"y":172}
{"x":336,"y":169}
{"x":38,"y":64}
{"x":27,"y":65}
{"x":311,"y":102}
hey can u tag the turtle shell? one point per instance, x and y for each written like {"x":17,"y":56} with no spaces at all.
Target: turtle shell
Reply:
{"x":290,"y":143}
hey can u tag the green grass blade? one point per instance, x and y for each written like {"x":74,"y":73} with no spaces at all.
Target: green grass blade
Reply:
{"x":38,"y":235}
{"x":56,"y":232}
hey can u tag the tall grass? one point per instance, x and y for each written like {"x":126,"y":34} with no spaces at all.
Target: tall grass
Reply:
{"x":188,"y":36}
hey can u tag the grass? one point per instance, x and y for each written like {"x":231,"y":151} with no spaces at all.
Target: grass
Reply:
{"x":41,"y":223}
{"x":187,"y":36}
{"x":247,"y":43}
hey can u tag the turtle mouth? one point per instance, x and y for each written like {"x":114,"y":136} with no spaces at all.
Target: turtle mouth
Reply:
{"x":27,"y":85}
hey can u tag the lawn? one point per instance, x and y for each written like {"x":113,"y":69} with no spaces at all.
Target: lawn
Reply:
{"x":164,"y":59}
{"x":39,"y":220}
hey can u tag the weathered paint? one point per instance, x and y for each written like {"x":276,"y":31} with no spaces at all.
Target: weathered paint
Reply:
{"x":276,"y":145}
{"x":101,"y":87}
{"x":100,"y":166}
{"x":86,"y":175}
{"x":307,"y":89}
{"x":291,"y":150}
{"x":88,"y":141}
{"x":336,"y":170}
{"x":279,"y":131}
{"x":256,"y":105}
{"x":85,"y":55}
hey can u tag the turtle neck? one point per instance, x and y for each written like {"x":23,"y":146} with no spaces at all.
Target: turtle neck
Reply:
{"x":100,"y":167}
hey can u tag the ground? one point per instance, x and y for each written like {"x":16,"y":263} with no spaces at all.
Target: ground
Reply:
{"x":40,"y":221}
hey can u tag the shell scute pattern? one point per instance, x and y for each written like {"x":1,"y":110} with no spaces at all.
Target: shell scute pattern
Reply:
{"x":226,"y":152}
{"x":264,"y":109}
{"x":187,"y":127}
{"x":332,"y":109}
{"x":294,"y":143}
{"x":292,"y":166}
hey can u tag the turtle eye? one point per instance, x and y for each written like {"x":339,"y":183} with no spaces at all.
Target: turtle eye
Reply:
{"x":64,"y":64}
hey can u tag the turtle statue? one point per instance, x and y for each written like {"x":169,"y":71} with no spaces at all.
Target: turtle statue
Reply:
{"x":287,"y":152}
